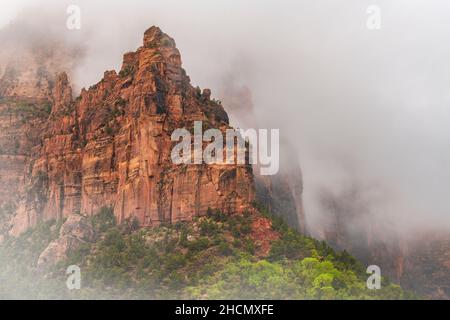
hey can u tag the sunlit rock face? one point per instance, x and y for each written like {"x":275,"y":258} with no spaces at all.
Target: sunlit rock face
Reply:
{"x":111,"y":146}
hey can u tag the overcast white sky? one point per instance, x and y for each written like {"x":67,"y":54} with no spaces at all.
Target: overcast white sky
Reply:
{"x":10,"y":8}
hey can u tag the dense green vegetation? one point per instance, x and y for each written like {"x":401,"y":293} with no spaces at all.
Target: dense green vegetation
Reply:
{"x":211,"y":257}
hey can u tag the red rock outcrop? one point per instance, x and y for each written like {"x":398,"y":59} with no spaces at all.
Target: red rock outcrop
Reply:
{"x":111,"y":147}
{"x":75,"y":232}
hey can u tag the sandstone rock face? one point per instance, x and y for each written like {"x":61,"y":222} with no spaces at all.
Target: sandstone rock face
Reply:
{"x":111,"y":147}
{"x":21,"y":122}
{"x":74,"y":232}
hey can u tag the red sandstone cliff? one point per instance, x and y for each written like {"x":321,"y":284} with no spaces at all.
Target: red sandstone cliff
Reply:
{"x":111,"y":145}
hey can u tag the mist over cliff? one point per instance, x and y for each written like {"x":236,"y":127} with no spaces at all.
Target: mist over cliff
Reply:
{"x":365,"y":110}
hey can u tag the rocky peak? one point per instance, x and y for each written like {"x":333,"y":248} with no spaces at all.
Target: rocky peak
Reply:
{"x":158,"y":51}
{"x":154,"y":37}
{"x":111,"y":147}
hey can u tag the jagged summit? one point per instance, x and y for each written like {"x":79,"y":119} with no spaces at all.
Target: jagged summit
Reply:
{"x":155,"y":37}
